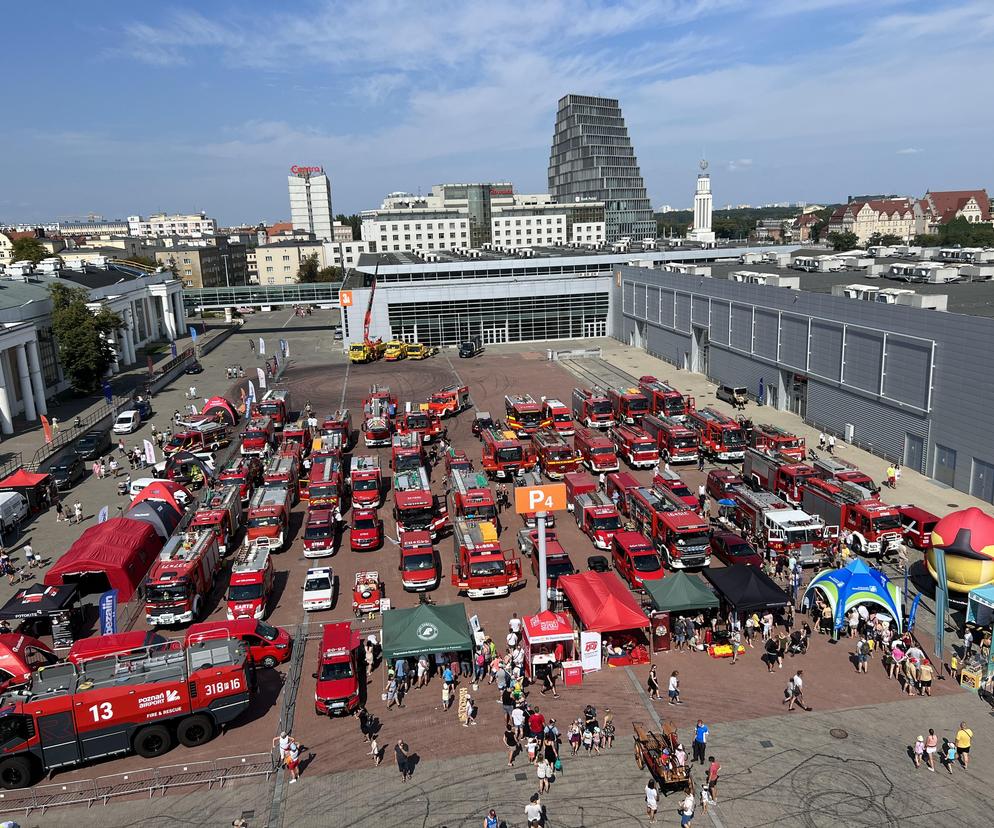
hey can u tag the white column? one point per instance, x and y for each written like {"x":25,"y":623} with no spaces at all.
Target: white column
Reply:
{"x":115,"y":363}
{"x":26,"y":393}
{"x":6,"y":416}
{"x":129,"y":346}
{"x":169,"y":317}
{"x":37,"y":380}
{"x":180,"y":314}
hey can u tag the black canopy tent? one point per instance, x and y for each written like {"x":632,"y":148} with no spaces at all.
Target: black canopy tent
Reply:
{"x":42,"y":609}
{"x":162,"y":516}
{"x":746,"y":588}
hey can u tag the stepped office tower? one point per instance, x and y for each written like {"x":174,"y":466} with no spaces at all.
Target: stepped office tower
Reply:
{"x":592,"y":157}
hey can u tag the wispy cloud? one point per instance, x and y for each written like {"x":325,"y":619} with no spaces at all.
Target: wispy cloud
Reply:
{"x":909,"y":151}
{"x":738,"y":164}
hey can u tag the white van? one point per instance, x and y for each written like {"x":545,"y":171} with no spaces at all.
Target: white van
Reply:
{"x":127,"y":422}
{"x":13,"y":509}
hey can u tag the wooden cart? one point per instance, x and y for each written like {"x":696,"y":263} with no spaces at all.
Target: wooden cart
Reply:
{"x":649,"y":749}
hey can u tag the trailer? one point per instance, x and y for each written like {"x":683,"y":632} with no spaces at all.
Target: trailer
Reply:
{"x":656,"y":753}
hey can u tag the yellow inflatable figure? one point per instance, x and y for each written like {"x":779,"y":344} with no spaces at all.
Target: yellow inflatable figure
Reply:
{"x":967,"y":536}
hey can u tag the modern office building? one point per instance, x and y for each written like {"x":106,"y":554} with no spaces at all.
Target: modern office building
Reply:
{"x":310,"y":201}
{"x":592,"y":157}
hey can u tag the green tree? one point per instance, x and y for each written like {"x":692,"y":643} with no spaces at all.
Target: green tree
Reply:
{"x":966,"y":234}
{"x":84,"y":352}
{"x":927,"y":240}
{"x":843,"y":241}
{"x":329,"y":274}
{"x":148,"y":261}
{"x":886,"y":239}
{"x":28,"y":250}
{"x":307,"y":273}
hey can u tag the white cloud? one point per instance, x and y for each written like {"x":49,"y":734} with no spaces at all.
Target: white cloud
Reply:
{"x":909,"y":151}
{"x":739,"y":164}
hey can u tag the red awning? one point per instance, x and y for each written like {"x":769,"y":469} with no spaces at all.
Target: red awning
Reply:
{"x":602,"y":603}
{"x":547,"y":627}
{"x":22,"y":479}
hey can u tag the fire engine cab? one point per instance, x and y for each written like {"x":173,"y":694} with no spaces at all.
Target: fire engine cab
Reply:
{"x":524,"y":414}
{"x":449,"y":401}
{"x":503,"y":454}
{"x":664,"y":399}
{"x":415,"y":507}
{"x":676,"y":442}
{"x":596,"y":450}
{"x":869,"y":526}
{"x":680,"y":535}
{"x":324,"y":486}
{"x":281,"y":473}
{"x":298,"y":432}
{"x":471,"y":496}
{"x":417,"y":421}
{"x":181,"y":579}
{"x":637,"y":447}
{"x":245,"y":472}
{"x":257,"y":438}
{"x":629,"y":405}
{"x":250,"y":583}
{"x":339,"y":422}
{"x":841,"y":471}
{"x":482,"y":568}
{"x":558,"y":413}
{"x":141,"y":701}
{"x":777,"y":473}
{"x":268,"y":518}
{"x":592,"y":407}
{"x":782,"y":528}
{"x":377,"y":409}
{"x":420,"y":566}
{"x":336,"y":692}
{"x":776,"y":440}
{"x":556,"y":457}
{"x":721,"y":437}
{"x":597,"y":517}
{"x":274,"y":404}
{"x":221,"y":513}
{"x":365,"y":481}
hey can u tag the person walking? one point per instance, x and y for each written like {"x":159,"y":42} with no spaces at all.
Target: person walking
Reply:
{"x":897,"y":474}
{"x":651,"y":800}
{"x":702,"y":498}
{"x":549,"y":682}
{"x":77,"y":512}
{"x":931,"y":745}
{"x":652,"y":683}
{"x":700,"y":459}
{"x":544,"y":771}
{"x":674,"y":688}
{"x":862,"y":653}
{"x":735,"y":639}
{"x":831,"y":444}
{"x":375,"y":752}
{"x":714,"y":769}
{"x":795,"y":692}
{"x":918,"y":751}
{"x":60,"y":512}
{"x":401,"y":751}
{"x":821,"y":441}
{"x":511,"y":743}
{"x":534,"y":811}
{"x":30,"y":558}
{"x":964,"y":738}
{"x":687,"y":810}
{"x":491,"y":820}
{"x":700,"y":741}
{"x":293,"y":760}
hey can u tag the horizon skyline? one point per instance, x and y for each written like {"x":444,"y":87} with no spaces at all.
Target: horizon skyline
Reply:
{"x":207,"y":110}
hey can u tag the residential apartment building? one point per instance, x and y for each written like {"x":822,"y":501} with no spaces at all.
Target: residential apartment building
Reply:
{"x":886,"y":216}
{"x":936,"y":209}
{"x":310,"y":201}
{"x":193,"y":225}
{"x":278,"y":263}
{"x":222,"y":264}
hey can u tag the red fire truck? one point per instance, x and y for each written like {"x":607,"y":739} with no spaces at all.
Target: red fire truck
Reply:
{"x":556,"y":457}
{"x":406,"y":452}
{"x":336,"y":692}
{"x":472,"y":498}
{"x":841,"y":471}
{"x":365,"y":481}
{"x":504,"y":455}
{"x":559,"y":414}
{"x":449,"y":401}
{"x":320,"y":533}
{"x":782,"y":528}
{"x":620,"y":485}
{"x":141,"y":701}
{"x":220,"y":512}
{"x":276,"y":405}
{"x":327,"y":445}
{"x":630,"y":405}
{"x":181,"y":579}
{"x":246,"y":472}
{"x":418,"y":421}
{"x":324,"y":485}
{"x":776,"y":440}
{"x":596,"y":450}
{"x":281,"y":473}
{"x":720,"y":436}
{"x":664,"y":399}
{"x":202,"y":442}
{"x":635,"y":559}
{"x":420,"y":565}
{"x":250,"y":584}
{"x":376,"y":432}
{"x":258,"y":436}
{"x":524,"y":414}
{"x":637,"y":447}
{"x":869,"y":526}
{"x":597,"y":517}
{"x":668,"y":483}
{"x":379,"y":403}
{"x":776,"y":473}
{"x":415,"y":507}
{"x":299,"y":433}
{"x":339,"y":422}
{"x":456,"y":460}
{"x":532,"y":478}
{"x":676,"y":442}
{"x":680,"y":535}
{"x":268,"y":522}
{"x":482,"y":568}
{"x":592,"y":408}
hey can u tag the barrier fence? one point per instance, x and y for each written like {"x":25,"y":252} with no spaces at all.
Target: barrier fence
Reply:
{"x":143,"y":782}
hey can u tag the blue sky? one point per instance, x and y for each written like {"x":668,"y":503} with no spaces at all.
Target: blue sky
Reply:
{"x":119,"y":108}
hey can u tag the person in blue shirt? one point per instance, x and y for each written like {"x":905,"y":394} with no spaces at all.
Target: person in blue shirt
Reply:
{"x":447,"y":676}
{"x":700,"y":741}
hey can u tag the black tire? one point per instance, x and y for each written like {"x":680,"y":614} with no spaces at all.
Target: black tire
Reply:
{"x":195,"y":730}
{"x":197,"y":607}
{"x":153,"y":741}
{"x":16,"y":772}
{"x":268,"y":662}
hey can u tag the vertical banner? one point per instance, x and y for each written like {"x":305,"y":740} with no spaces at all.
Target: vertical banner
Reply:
{"x":590,"y":651}
{"x":250,"y":398}
{"x":261,"y":376}
{"x":286,"y":349}
{"x":103,"y":515}
{"x":660,"y":632}
{"x":193,"y":334}
{"x":108,"y":612}
{"x":941,"y":603}
{"x":149,"y":452}
{"x":262,"y":345}
{"x":172,"y":349}
{"x":283,"y":347}
{"x":46,"y":427}
{"x":108,"y":392}
{"x":913,"y":614}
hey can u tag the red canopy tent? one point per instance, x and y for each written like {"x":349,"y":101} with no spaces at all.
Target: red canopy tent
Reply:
{"x":19,"y":656}
{"x":164,"y":490}
{"x":602,"y":605}
{"x":548,"y":637}
{"x":36,"y":488}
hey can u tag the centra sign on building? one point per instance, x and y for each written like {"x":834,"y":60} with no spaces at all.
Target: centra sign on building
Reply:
{"x":305,"y":170}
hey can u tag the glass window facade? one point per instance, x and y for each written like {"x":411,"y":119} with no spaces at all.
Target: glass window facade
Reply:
{"x":507,"y":319}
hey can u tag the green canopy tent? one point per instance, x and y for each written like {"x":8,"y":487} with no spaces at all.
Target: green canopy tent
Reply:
{"x":426,"y":628}
{"x":679,"y":592}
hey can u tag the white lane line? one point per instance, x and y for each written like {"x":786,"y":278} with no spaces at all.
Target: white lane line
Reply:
{"x":289,"y":319}
{"x":345,"y":384}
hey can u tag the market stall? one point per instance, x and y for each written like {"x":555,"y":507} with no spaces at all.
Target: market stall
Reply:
{"x":221,"y":410}
{"x":855,"y":584}
{"x":427,"y":629}
{"x":980,"y":606}
{"x":44,"y":610}
{"x":549,"y":638}
{"x":614,"y":628}
{"x":37,"y":489}
{"x":677,"y":593}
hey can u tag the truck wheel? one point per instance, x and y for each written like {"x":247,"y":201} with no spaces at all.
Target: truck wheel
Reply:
{"x":153,"y":741}
{"x":195,"y":730}
{"x":197,"y":607}
{"x":15,"y":772}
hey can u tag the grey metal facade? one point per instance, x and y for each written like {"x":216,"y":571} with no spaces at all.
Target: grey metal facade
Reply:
{"x":911,"y":385}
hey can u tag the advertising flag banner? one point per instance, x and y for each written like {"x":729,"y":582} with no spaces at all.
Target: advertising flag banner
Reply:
{"x":149,"y":452}
{"x":108,"y":612}
{"x":590,"y":651}
{"x":103,"y":514}
{"x":46,"y":427}
{"x":262,"y":345}
{"x":262,"y":377}
{"x":193,"y":334}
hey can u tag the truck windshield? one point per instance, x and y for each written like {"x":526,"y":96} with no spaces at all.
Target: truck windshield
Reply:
{"x":809,"y":535}
{"x":887,"y":523}
{"x":321,"y":532}
{"x":481,"y":513}
{"x":685,"y":442}
{"x":680,"y":490}
{"x":364,"y":523}
{"x":602,"y":450}
{"x":562,"y":417}
{"x":336,"y":670}
{"x":364,"y":485}
{"x":638,"y":404}
{"x":176,"y":442}
{"x":605,"y":523}
{"x":266,"y":631}
{"x":788,"y":442}
{"x":485,"y":568}
{"x":673,"y":406}
{"x":511,"y":454}
{"x":253,"y":434}
{"x":317,"y":583}
{"x":419,"y":562}
{"x":166,"y":593}
{"x":270,"y":408}
{"x":560,"y":454}
{"x":530,"y":418}
{"x":417,"y":421}
{"x":416,"y":518}
{"x":403,"y":462}
{"x":602,"y":407}
{"x":244,"y":592}
{"x":691,"y":541}
{"x":559,"y":566}
{"x":645,"y":563}
{"x":260,"y":522}
{"x":733,"y":438}
{"x":322,"y":490}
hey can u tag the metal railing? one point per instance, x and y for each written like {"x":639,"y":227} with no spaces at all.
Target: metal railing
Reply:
{"x":102,"y":789}
{"x":12,"y":465}
{"x":67,"y":432}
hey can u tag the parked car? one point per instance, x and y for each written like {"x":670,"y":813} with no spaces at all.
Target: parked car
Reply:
{"x":245,"y":310}
{"x":93,"y":444}
{"x":13,"y":510}
{"x":127,"y":422}
{"x":194,"y":368}
{"x":735,"y":395}
{"x":67,"y":471}
{"x":137,"y":486}
{"x":730,"y":549}
{"x":319,"y":588}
